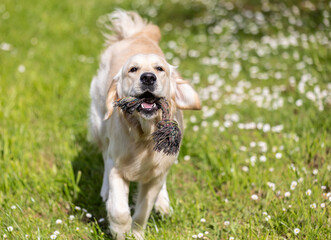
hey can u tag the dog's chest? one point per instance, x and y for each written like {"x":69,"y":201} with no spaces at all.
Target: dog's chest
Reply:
{"x":144,"y":164}
{"x":131,"y":148}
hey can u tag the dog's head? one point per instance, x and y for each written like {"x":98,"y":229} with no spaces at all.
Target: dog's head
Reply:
{"x":149,"y":76}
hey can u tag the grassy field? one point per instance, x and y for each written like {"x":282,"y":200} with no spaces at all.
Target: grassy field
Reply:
{"x":255,"y":162}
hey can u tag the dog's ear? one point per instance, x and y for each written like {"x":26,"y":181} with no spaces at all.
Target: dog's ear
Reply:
{"x":112,"y":95}
{"x":186,"y":97}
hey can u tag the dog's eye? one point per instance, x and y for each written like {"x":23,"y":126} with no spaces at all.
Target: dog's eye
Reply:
{"x":133,"y":69}
{"x":160,"y":69}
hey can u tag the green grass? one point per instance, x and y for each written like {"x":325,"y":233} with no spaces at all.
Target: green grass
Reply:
{"x":48,"y":167}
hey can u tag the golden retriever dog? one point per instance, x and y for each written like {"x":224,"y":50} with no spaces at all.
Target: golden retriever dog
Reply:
{"x":134,"y":65}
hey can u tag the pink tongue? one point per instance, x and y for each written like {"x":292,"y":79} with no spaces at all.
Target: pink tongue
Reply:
{"x":147,"y":105}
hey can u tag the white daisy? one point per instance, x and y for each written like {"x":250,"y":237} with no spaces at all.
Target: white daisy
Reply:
{"x":313,"y":206}
{"x":308,"y":192}
{"x":58,"y":221}
{"x":278,"y":155}
{"x":187,"y":157}
{"x":263,"y":158}
{"x":254,"y":197}
{"x":293,"y":185}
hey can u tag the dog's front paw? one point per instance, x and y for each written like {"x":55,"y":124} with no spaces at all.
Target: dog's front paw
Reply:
{"x":120,"y":225}
{"x":119,"y":234}
{"x":138,"y":234}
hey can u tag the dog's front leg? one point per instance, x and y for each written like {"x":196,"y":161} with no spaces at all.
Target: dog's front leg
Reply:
{"x":146,"y":198}
{"x":117,"y":205}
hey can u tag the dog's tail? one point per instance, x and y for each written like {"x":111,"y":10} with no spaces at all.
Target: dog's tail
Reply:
{"x":125,"y":24}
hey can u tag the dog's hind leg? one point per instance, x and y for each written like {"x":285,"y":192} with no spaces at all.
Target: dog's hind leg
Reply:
{"x":162,"y":203}
{"x":108,"y":164}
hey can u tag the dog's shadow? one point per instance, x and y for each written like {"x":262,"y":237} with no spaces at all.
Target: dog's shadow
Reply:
{"x":89,"y":164}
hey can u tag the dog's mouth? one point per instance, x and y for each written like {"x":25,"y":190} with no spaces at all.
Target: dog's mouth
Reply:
{"x":149,"y":106}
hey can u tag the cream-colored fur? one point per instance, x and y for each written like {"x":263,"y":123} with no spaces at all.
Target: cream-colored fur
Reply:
{"x":125,"y":140}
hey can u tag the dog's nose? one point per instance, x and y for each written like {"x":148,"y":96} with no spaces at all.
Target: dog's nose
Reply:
{"x":148,"y":78}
